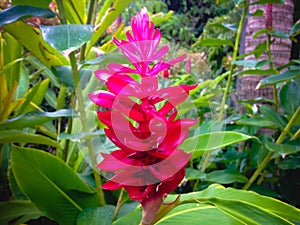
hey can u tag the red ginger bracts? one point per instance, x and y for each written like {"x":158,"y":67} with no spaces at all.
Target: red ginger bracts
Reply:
{"x":142,"y":120}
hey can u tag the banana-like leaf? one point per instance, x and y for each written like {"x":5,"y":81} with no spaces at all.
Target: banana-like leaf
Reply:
{"x":51,"y":185}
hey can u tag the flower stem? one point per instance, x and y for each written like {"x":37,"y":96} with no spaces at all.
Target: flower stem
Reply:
{"x":270,"y":154}
{"x":270,"y":58}
{"x":83,"y":119}
{"x":118,"y":205}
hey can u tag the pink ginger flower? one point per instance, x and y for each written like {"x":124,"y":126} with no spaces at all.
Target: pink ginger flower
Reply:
{"x":142,"y":121}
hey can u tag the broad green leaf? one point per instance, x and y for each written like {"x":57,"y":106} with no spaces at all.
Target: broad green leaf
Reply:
{"x":118,"y":6}
{"x":34,"y":3}
{"x":226,"y":176}
{"x":65,"y":75}
{"x":282,"y":149}
{"x":132,"y":218}
{"x":245,"y":63}
{"x":212,"y":141}
{"x":256,"y":121}
{"x":75,"y":11}
{"x":288,"y":104}
{"x":68,"y":36}
{"x":245,"y":212}
{"x":17,"y":136}
{"x":295,"y":29}
{"x":268,"y":1}
{"x":17,"y":212}
{"x":195,"y":214}
{"x":269,"y":204}
{"x":34,"y":118}
{"x":127,"y":207}
{"x":30,"y":37}
{"x":283,"y":77}
{"x":273,"y":116}
{"x":214,"y":42}
{"x":96,"y":215}
{"x":18,"y":12}
{"x":193,"y":174}
{"x":51,"y":185}
{"x":279,"y":34}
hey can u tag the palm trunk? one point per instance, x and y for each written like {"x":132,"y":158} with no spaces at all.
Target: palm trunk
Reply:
{"x":282,"y":19}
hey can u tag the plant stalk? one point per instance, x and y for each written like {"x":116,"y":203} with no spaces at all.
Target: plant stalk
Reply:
{"x":234,"y":56}
{"x":61,"y":10}
{"x":270,"y":154}
{"x":229,"y":80}
{"x":83,"y":119}
{"x":89,"y":21}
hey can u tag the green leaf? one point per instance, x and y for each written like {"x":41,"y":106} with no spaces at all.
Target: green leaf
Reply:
{"x":214,"y":42}
{"x":195,"y":214}
{"x":246,"y":213}
{"x":282,"y":149}
{"x":51,"y":185}
{"x":255,"y":72}
{"x":268,"y":1}
{"x":193,"y":174}
{"x":68,"y":36}
{"x":226,"y":176}
{"x":40,"y":3}
{"x":30,"y":37}
{"x":273,"y":116}
{"x":132,"y":218}
{"x":258,"y":12}
{"x":260,"y":32}
{"x":34,"y":118}
{"x":212,"y":141}
{"x":295,"y":29}
{"x":118,"y":6}
{"x":96,"y":215}
{"x":75,"y":11}
{"x":245,"y":63}
{"x":283,"y":77}
{"x":17,"y":136}
{"x":18,"y":12}
{"x":65,"y":75}
{"x":105,"y":59}
{"x":256,"y":121}
{"x":35,"y":96}
{"x":279,"y":34}
{"x":17,"y":212}
{"x":288,"y":104}
{"x":269,"y":204}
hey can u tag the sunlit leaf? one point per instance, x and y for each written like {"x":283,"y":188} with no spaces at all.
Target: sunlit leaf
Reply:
{"x":212,"y":141}
{"x":39,"y":3}
{"x":214,"y":42}
{"x":30,"y":37}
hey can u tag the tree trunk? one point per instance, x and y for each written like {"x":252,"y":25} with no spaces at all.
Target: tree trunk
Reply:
{"x":282,"y":19}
